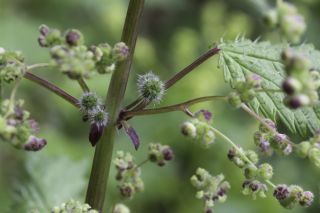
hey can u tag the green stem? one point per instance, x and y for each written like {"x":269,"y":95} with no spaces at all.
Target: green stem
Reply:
{"x":239,"y":150}
{"x":177,"y":107}
{"x":263,"y":122}
{"x":83,"y":85}
{"x":103,"y":154}
{"x":39,"y":65}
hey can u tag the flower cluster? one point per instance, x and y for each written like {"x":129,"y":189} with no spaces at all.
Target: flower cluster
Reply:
{"x":247,"y":161}
{"x":301,"y":85}
{"x":269,"y":141}
{"x":199,"y":128}
{"x":245,"y":91}
{"x":120,"y":208}
{"x":212,"y":189}
{"x":73,"y":206}
{"x":310,"y":149}
{"x":159,"y":153}
{"x":128,"y":175}
{"x":76,"y":59}
{"x":287,"y":18}
{"x":290,"y":196}
{"x":12,"y":65}
{"x":150,"y":87}
{"x":17,"y":128}
{"x":93,"y":110}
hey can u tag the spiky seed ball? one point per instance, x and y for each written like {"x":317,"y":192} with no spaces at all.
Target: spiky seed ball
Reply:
{"x":151,"y":87}
{"x":89,"y":101}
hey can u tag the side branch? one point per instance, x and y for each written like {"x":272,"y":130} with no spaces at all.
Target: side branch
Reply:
{"x":46,"y":84}
{"x":174,"y":79}
{"x":177,"y":107}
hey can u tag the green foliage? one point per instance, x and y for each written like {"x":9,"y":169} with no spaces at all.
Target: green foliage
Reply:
{"x":243,"y":57}
{"x":46,"y":181}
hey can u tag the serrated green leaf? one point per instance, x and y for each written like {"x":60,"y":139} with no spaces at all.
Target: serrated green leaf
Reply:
{"x":244,"y":57}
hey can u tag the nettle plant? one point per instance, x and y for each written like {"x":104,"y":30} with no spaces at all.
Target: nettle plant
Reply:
{"x":270,"y":82}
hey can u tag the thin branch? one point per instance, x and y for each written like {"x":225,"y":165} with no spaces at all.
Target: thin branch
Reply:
{"x":36,"y":66}
{"x":240,"y":151}
{"x":174,"y":79}
{"x":262,"y":121}
{"x":177,"y":107}
{"x":46,"y":84}
{"x":83,"y":85}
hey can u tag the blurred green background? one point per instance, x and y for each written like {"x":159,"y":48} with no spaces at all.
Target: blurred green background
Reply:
{"x":173,"y":33}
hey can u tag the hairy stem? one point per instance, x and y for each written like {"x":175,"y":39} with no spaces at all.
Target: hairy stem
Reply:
{"x":53,"y":88}
{"x":244,"y":157}
{"x":174,"y":79}
{"x":103,"y":154}
{"x":262,"y":121}
{"x":177,"y":107}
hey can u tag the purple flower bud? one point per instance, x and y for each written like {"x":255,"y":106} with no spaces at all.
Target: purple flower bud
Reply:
{"x":167,"y":154}
{"x":95,"y":134}
{"x":44,"y":30}
{"x":287,"y":150}
{"x":42,"y":41}
{"x":206,"y":114}
{"x":35,"y":144}
{"x":298,"y":101}
{"x":281,"y":192}
{"x":306,"y":199}
{"x":34,"y":126}
{"x":126,"y":191}
{"x":231,"y":154}
{"x":74,"y":37}
{"x":161,"y":163}
{"x":131,"y":132}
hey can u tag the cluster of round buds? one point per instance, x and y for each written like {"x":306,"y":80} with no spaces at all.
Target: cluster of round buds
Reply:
{"x":301,"y":85}
{"x":159,"y":153}
{"x":237,"y":156}
{"x":254,"y":188}
{"x":73,"y":206}
{"x":77,"y":60}
{"x":107,"y":57}
{"x":17,"y":128}
{"x":93,"y":110}
{"x":248,"y":160}
{"x":199,"y":128}
{"x":128,"y":175}
{"x":287,"y":18}
{"x":310,"y":149}
{"x":245,"y":91}
{"x":150,"y":87}
{"x":268,"y":141}
{"x":11,"y":65}
{"x":211,"y":189}
{"x":290,"y":196}
{"x":120,"y":208}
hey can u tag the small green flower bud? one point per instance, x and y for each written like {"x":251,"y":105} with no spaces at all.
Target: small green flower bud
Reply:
{"x":120,"y":208}
{"x":234,"y":99}
{"x":99,"y":117}
{"x":270,"y":18}
{"x":314,"y":156}
{"x":293,"y":26}
{"x":120,"y":51}
{"x":188,"y":129}
{"x":266,"y":171}
{"x":252,"y":156}
{"x":97,"y":52}
{"x":151,"y":87}
{"x":302,"y":149}
{"x":254,"y":188}
{"x":250,"y":171}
